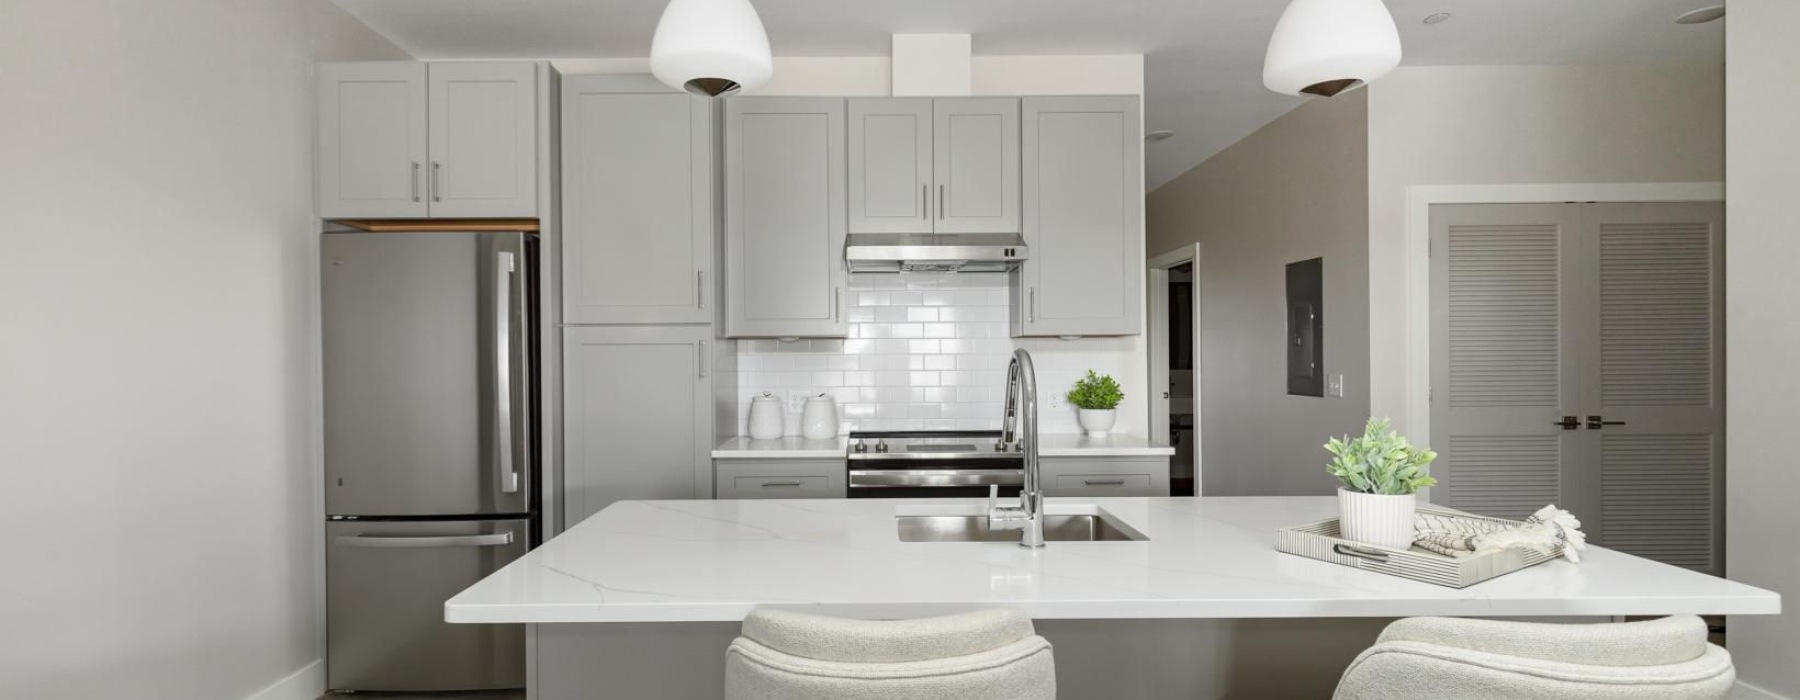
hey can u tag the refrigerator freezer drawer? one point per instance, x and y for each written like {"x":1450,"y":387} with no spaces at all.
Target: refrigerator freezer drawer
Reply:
{"x":386,"y":583}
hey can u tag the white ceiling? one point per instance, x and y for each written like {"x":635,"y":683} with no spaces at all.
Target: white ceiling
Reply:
{"x":1203,"y":58}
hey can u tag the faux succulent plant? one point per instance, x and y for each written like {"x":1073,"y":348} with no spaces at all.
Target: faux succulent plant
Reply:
{"x":1380,"y":461}
{"x":1096,"y":392}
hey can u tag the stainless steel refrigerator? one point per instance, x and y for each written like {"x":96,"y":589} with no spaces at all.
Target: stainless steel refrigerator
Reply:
{"x":430,"y":451}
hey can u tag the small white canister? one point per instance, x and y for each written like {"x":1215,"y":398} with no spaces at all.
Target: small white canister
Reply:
{"x":819,"y":420}
{"x":765,"y":417}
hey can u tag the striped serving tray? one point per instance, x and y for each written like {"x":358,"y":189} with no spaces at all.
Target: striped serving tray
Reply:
{"x":1322,"y":541}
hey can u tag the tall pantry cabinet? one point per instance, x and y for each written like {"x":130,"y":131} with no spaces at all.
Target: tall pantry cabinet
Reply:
{"x":639,"y":293}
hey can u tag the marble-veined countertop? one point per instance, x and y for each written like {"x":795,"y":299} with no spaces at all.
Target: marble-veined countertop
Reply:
{"x":667,"y":561}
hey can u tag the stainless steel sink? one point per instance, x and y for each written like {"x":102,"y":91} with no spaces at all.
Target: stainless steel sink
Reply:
{"x":973,"y":528}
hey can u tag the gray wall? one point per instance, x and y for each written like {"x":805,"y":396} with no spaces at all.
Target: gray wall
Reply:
{"x":1294,"y":190}
{"x":1762,"y":255}
{"x":157,"y":378}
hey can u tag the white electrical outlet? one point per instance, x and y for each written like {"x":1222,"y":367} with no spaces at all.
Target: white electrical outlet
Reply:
{"x":797,"y":400}
{"x":1334,"y":385}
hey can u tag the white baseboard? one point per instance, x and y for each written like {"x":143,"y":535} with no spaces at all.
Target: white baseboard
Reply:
{"x":308,"y":683}
{"x":1745,"y":691}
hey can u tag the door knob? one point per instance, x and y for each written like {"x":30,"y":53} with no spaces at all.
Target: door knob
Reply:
{"x":1595,"y":423}
{"x":1568,"y":423}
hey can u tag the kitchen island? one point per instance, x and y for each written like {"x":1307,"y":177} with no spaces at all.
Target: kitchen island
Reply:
{"x":642,"y":597}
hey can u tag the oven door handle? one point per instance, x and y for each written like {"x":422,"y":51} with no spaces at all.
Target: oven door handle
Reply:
{"x":915,"y":478}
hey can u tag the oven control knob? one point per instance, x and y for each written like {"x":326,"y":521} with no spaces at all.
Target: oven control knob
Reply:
{"x":881,"y":446}
{"x":859,"y":446}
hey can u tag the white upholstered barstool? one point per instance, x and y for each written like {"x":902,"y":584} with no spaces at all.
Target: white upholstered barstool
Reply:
{"x":987,"y":655}
{"x":1457,"y":659}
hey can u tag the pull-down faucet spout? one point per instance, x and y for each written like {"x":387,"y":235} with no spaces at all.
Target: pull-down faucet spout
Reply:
{"x":1020,"y":420}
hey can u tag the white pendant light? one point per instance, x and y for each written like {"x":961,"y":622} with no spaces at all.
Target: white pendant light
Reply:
{"x":711,"y":47}
{"x":1324,"y":47}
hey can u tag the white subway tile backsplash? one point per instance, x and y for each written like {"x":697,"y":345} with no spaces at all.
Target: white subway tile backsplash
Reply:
{"x":926,"y":351}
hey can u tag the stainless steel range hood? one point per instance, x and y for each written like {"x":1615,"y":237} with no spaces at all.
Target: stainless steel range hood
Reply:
{"x":928,"y":252}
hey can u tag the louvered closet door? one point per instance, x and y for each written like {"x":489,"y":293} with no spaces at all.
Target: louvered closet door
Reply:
{"x":1503,"y":372}
{"x":1655,"y":359}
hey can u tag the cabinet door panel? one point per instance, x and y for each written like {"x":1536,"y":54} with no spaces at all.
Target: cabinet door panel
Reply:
{"x":890,"y":165}
{"x":976,"y":164}
{"x":785,"y":217}
{"x":638,"y":415}
{"x":637,"y":205}
{"x":483,"y":139}
{"x":1084,"y":208}
{"x":372,"y":140}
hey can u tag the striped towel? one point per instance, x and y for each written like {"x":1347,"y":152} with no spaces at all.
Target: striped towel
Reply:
{"x":1548,"y":530}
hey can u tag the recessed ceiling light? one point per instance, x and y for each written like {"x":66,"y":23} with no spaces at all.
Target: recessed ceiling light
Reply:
{"x":1158,"y":135}
{"x":1701,"y":16}
{"x":1437,"y":18}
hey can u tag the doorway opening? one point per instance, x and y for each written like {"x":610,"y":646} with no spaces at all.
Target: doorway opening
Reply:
{"x":1174,"y":364}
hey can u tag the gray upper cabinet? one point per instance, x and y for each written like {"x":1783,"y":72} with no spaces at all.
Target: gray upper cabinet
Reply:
{"x":372,"y":150}
{"x":921,"y":165}
{"x":890,"y":165}
{"x":637,"y":412}
{"x":483,"y":139}
{"x":1083,"y":218}
{"x":407,"y":140}
{"x":784,"y":217}
{"x":638,"y":192}
{"x":976,"y":164}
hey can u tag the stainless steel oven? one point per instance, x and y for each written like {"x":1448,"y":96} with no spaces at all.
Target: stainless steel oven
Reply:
{"x":932,"y":464}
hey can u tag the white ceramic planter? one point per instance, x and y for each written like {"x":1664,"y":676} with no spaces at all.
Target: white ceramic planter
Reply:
{"x":1097,"y":421}
{"x":1377,"y":519}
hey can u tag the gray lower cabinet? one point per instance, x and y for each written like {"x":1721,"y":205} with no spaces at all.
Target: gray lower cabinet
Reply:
{"x":775,"y":478}
{"x":1105,"y":476}
{"x":784,"y":217}
{"x":638,"y":193}
{"x":1083,"y":218}
{"x":637,"y":416}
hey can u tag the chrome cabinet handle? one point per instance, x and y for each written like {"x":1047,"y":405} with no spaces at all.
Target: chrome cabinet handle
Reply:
{"x":700,"y":286}
{"x":1031,"y":304}
{"x":701,"y":352}
{"x":925,"y":200}
{"x":940,"y":201}
{"x":1568,"y":423}
{"x":385,"y":542}
{"x":837,"y":303}
{"x":415,"y":180}
{"x":773,"y":484}
{"x":1104,"y":482}
{"x":437,"y":181}
{"x":504,"y":268}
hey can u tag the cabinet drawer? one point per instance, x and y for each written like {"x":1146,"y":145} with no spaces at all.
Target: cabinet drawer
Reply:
{"x":780,"y":487}
{"x":1103,"y":485}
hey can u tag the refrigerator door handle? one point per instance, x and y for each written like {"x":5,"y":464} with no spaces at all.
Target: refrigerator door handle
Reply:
{"x":497,"y":539}
{"x":503,"y":395}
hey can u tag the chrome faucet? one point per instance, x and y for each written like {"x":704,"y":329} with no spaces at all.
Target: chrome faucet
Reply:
{"x":1021,"y":407}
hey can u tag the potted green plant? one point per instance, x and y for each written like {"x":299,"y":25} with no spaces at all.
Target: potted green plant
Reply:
{"x":1096,"y":398}
{"x":1381,"y":473}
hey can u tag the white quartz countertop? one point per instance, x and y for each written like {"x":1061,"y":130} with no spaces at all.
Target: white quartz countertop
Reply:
{"x":1048,"y":446}
{"x":666,"y":561}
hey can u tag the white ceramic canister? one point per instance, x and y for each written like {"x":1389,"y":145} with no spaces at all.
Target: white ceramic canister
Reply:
{"x":819,"y":420}
{"x":766,"y":421}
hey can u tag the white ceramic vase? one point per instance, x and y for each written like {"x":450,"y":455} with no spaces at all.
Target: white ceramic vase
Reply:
{"x":1097,"y":421}
{"x":1377,"y":519}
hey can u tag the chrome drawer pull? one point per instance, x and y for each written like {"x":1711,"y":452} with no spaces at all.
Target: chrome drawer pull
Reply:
{"x":1104,"y":482}
{"x":768,"y":484}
